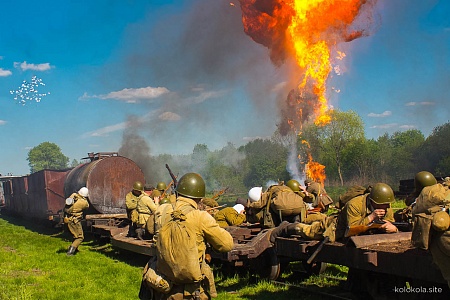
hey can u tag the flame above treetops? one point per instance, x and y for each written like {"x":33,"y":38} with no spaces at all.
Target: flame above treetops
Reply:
{"x":306,"y":30}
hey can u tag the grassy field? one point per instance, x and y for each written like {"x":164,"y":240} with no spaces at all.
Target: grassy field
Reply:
{"x":34,"y":265}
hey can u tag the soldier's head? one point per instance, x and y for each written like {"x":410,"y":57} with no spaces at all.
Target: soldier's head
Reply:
{"x":138,"y":188}
{"x":423,"y":179}
{"x":191,"y":185}
{"x":381,"y":196}
{"x":161,"y":186}
{"x":84,"y":192}
{"x":294,"y":185}
{"x":255,"y":194}
{"x":308,"y":181}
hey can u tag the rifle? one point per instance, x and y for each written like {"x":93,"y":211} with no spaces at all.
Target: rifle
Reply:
{"x":219,"y":193}
{"x":358,"y":229}
{"x":174,"y":178}
{"x":165,"y":191}
{"x":220,"y":206}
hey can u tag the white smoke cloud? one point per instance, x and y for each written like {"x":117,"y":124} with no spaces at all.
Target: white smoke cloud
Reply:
{"x":35,"y":67}
{"x":386,"y":113}
{"x":4,"y":73}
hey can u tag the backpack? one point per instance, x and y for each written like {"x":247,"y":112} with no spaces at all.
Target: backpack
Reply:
{"x":177,"y":255}
{"x":285,"y":202}
{"x":431,"y":200}
{"x":351,"y":193}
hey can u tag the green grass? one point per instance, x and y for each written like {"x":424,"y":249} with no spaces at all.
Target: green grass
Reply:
{"x":34,"y":265}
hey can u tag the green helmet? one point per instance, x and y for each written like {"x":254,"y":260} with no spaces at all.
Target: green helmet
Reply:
{"x":294,"y":185}
{"x":423,"y":179}
{"x":161,"y":186}
{"x":381,"y":193}
{"x":191,"y":185}
{"x":138,"y":186}
{"x":307,"y":181}
{"x":164,"y":201}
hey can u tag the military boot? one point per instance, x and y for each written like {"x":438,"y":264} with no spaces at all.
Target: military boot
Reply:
{"x":71,"y":251}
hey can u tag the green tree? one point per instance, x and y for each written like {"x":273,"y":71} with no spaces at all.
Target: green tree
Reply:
{"x":46,"y":156}
{"x":435,"y":152}
{"x":74,"y":163}
{"x":331,"y":140}
{"x":265,"y":161}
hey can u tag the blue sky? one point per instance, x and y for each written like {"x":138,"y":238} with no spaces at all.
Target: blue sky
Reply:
{"x":179,"y":73}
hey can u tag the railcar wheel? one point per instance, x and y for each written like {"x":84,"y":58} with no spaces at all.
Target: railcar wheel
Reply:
{"x":267,"y":265}
{"x":314,"y":268}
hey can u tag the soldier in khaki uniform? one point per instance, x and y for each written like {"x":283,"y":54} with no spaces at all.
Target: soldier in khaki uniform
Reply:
{"x":190,"y":190}
{"x":231,"y":216}
{"x":131,"y":200}
{"x":76,"y":204}
{"x":367,"y":208}
{"x":146,"y":209}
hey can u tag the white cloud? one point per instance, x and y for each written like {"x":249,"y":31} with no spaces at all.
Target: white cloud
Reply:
{"x":252,"y":138}
{"x":407,"y":127}
{"x":382,"y":115}
{"x":2,"y":122}
{"x":4,"y":73}
{"x":385,"y":126}
{"x":134,"y":95}
{"x":169,"y":116}
{"x":35,"y":67}
{"x":105,"y":131}
{"x":424,"y":103}
{"x":205,"y":96}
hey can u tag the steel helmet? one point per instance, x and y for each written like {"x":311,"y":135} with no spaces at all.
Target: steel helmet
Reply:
{"x":381,"y":193}
{"x":191,"y":185}
{"x":161,"y":186}
{"x":293,"y":185}
{"x":255,"y":194}
{"x":239,"y":208}
{"x":423,"y":179}
{"x":164,"y":201}
{"x":83,"y":192}
{"x":138,"y":186}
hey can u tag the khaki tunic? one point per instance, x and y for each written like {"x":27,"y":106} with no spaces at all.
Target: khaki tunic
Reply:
{"x":74,"y":213}
{"x":131,"y":204}
{"x":229,"y":217}
{"x":145,"y":207}
{"x":356,"y":212}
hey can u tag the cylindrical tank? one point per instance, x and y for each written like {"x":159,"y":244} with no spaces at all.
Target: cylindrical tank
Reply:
{"x":108,"y":179}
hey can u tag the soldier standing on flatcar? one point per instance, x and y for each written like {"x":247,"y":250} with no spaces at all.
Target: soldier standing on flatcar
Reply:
{"x":131,"y":200}
{"x":75,"y":205}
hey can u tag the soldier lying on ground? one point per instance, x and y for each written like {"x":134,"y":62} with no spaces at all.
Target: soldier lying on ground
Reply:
{"x":230,"y":216}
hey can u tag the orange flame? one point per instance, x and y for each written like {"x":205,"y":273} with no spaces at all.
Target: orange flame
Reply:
{"x":315,"y":170}
{"x":306,"y":30}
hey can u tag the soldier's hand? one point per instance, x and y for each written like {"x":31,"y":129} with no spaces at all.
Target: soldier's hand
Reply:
{"x":389,"y":227}
{"x":377,"y":214}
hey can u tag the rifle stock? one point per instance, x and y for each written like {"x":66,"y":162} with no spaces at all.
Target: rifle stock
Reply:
{"x":358,"y":229}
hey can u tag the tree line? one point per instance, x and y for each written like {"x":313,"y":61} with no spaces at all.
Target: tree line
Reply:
{"x":341,"y":146}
